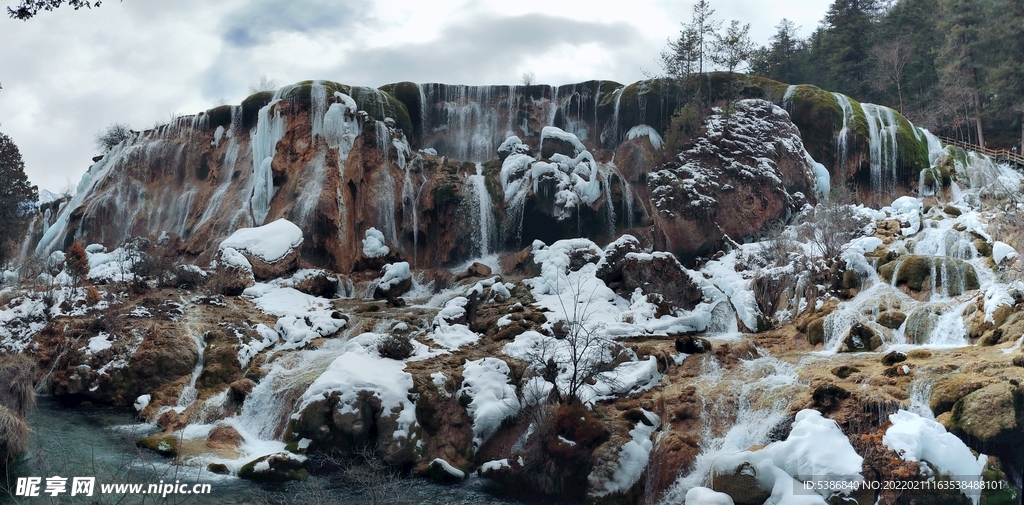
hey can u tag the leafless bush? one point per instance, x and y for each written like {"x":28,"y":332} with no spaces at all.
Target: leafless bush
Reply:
{"x":776,"y":248}
{"x":830,"y":226}
{"x":394,"y":347}
{"x":109,"y":137}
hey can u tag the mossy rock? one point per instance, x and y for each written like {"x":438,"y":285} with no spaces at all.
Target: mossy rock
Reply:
{"x":891,"y":319}
{"x":991,"y":416}
{"x":816,"y":331}
{"x":956,"y":276}
{"x":983,"y":247}
{"x":949,"y":390}
{"x":952,"y":210}
{"x":274,"y":468}
{"x":219,"y":116}
{"x":251,"y":107}
{"x":218,"y":468}
{"x":861,"y":337}
{"x":377,"y":103}
{"x":164,"y":445}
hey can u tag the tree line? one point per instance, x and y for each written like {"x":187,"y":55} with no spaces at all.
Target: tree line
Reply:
{"x":955,"y":67}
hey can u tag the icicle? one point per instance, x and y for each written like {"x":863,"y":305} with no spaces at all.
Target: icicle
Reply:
{"x":269,"y":130}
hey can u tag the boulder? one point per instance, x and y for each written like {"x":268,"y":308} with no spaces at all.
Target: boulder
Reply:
{"x":475,"y":270}
{"x":741,"y":485}
{"x":891,"y":319}
{"x":991,"y":416}
{"x":953,"y":276}
{"x":722,"y":188}
{"x":655,"y":273}
{"x":893,"y":357}
{"x":556,"y":141}
{"x":240,"y":389}
{"x":861,"y":337}
{"x":396,"y":280}
{"x":272,"y":249}
{"x":274,"y":468}
{"x":816,"y":331}
{"x":224,"y":438}
{"x":689,"y":344}
{"x":948,"y":390}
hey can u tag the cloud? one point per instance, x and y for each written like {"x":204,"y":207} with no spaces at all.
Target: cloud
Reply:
{"x":253,"y":23}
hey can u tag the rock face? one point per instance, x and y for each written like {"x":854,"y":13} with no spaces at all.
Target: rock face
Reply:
{"x":744,"y":173}
{"x":337,"y":160}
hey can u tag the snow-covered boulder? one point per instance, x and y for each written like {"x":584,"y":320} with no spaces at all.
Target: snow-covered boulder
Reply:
{"x":732,"y":182}
{"x":396,"y":280}
{"x":272,"y":250}
{"x":554,"y":140}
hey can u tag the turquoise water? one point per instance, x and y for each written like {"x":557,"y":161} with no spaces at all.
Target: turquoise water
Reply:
{"x":100,"y":442}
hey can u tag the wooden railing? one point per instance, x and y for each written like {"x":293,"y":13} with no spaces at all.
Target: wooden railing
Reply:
{"x":1004,"y":155}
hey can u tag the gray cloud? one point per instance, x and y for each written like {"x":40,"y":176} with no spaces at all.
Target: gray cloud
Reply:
{"x":251,"y":24}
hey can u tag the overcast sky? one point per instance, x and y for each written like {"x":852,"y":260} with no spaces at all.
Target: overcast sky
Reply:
{"x":67,"y":74}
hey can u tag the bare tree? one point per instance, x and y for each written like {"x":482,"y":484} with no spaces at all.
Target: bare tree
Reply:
{"x":528,"y":78}
{"x":891,"y":58}
{"x":109,"y":137}
{"x":265,"y":84}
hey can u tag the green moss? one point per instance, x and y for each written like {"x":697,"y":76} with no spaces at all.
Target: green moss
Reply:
{"x":164,"y":445}
{"x":446,"y":195}
{"x":251,"y":107}
{"x":914,"y":270}
{"x":220,"y":116}
{"x":911,"y":151}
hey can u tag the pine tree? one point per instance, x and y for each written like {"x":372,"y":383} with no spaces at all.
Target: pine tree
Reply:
{"x":850,"y":27}
{"x":1006,"y":75}
{"x":960,"y":59}
{"x":17,"y":197}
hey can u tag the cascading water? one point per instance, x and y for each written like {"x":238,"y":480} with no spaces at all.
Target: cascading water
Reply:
{"x":469,"y":118}
{"x":842,"y":139}
{"x":481,"y":210}
{"x":882,"y":128}
{"x":269,"y":130}
{"x":189,"y":393}
{"x":759,"y":406}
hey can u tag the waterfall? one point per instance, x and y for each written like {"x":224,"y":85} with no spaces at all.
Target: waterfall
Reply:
{"x":189,"y":393}
{"x":470,"y":118}
{"x":615,"y":119}
{"x":882,"y":128}
{"x":842,"y":138}
{"x":317,"y":108}
{"x":763,"y":386}
{"x":269,"y":130}
{"x":481,"y":211}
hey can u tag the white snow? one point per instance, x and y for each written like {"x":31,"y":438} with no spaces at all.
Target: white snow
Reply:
{"x":231,"y":256}
{"x":633,"y":458}
{"x":1002,"y":251}
{"x":448,"y":468}
{"x":918,"y":439}
{"x":301,"y":317}
{"x":705,"y":496}
{"x":357,"y":371}
{"x":99,"y":343}
{"x":560,"y":134}
{"x":394,"y":274}
{"x":142,"y":402}
{"x":644,"y":130}
{"x":373,"y":244}
{"x":270,"y":242}
{"x":486,"y":381}
{"x":815,"y":449}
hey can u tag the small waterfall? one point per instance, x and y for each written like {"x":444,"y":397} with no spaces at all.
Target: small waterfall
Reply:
{"x":481,"y":211}
{"x":341,"y":127}
{"x":760,"y":405}
{"x":269,"y":130}
{"x":882,"y":128}
{"x":920,"y":397}
{"x":614,"y":141}
{"x":470,"y":117}
{"x":189,"y":393}
{"x":842,"y":139}
{"x":788,"y":96}
{"x":317,"y":108}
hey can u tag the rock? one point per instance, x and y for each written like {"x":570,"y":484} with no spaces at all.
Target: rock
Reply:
{"x":224,"y":437}
{"x":891,"y":319}
{"x":992,"y":415}
{"x":893,"y":357}
{"x":475,"y":270}
{"x":953,"y":275}
{"x":816,"y":331}
{"x":609,"y":269}
{"x":732,"y":187}
{"x":519,"y":263}
{"x":688,"y":344}
{"x":656,"y":273}
{"x":231,"y":278}
{"x":844,"y":371}
{"x":560,"y":142}
{"x":396,"y":280}
{"x":1018,"y":360}
{"x":861,"y":337}
{"x":948,"y":390}
{"x":163,"y":444}
{"x":240,"y":389}
{"x":218,"y":468}
{"x":827,"y":396}
{"x":741,"y":485}
{"x":275,"y":468}
{"x":272,"y":249}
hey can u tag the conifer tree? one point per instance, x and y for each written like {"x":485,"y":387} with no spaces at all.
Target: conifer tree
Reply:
{"x":17,"y":197}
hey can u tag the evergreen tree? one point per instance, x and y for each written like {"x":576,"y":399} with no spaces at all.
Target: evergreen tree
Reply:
{"x":850,"y":26}
{"x":17,"y":198}
{"x":1006,"y":76}
{"x":779,"y":59}
{"x":732,"y":48}
{"x":960,"y":59}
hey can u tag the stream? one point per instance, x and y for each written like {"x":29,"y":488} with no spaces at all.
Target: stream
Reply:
{"x":100,"y":442}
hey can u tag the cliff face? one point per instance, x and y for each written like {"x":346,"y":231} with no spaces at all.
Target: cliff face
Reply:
{"x":450,"y":172}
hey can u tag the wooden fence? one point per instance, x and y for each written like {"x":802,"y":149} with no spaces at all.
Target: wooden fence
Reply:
{"x":1003,"y":155}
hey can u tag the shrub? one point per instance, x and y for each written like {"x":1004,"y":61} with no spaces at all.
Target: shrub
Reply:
{"x":394,"y":347}
{"x":109,"y":137}
{"x":76,"y":263}
{"x":186,"y":277}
